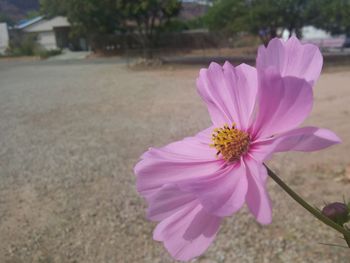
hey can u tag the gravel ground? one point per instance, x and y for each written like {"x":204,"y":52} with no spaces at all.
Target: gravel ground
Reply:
{"x":71,"y":134}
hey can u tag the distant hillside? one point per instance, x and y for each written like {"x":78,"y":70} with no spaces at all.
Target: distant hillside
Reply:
{"x":24,"y":5}
{"x":17,"y":9}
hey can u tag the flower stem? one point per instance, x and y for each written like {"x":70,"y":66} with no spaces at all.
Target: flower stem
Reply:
{"x":316,"y":213}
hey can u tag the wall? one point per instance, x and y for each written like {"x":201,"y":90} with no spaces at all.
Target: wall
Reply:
{"x":47,"y":24}
{"x":4,"y":38}
{"x":47,"y":40}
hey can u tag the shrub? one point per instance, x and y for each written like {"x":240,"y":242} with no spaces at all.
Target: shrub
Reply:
{"x":43,"y":54}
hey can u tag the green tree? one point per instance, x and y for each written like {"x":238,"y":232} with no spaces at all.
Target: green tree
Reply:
{"x":332,"y":16}
{"x":89,"y":17}
{"x":4,"y":18}
{"x":53,"y":8}
{"x":259,"y":16}
{"x":229,"y":16}
{"x":147,"y":17}
{"x":96,"y":18}
{"x":32,"y":14}
{"x":283,"y":14}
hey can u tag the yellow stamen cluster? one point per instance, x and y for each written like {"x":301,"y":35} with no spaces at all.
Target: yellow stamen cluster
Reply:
{"x":230,"y":142}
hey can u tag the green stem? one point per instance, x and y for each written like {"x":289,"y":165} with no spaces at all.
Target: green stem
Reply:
{"x":308,"y":207}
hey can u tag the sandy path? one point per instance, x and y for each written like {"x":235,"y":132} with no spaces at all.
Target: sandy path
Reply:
{"x":70,"y":136}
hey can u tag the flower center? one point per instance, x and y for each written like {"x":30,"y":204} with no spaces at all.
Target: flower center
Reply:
{"x":230,"y":142}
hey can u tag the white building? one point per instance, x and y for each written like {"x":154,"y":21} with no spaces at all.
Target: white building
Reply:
{"x":4,"y":38}
{"x":50,"y":33}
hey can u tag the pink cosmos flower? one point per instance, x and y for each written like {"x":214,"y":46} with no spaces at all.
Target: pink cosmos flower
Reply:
{"x":190,"y":185}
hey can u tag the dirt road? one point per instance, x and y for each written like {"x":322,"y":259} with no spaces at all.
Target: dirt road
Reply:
{"x":71,"y":134}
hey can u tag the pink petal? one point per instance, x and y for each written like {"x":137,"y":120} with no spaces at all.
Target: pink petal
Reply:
{"x":222,"y":193}
{"x":292,"y":58}
{"x":229,"y":93}
{"x":257,"y":198}
{"x":262,"y":150}
{"x":167,"y":201}
{"x":305,"y":139}
{"x":244,"y":86}
{"x":284,"y":103}
{"x":189,"y":158}
{"x":190,"y":148}
{"x":187,"y":233}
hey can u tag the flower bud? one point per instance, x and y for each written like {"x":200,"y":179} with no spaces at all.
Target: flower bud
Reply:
{"x":337,"y":212}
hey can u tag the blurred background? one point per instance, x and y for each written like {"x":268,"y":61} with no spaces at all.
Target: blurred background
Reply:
{"x":161,"y":28}
{"x":86,"y":86}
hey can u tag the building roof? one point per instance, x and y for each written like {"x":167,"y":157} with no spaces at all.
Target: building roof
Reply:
{"x":41,"y":24}
{"x":26,"y":23}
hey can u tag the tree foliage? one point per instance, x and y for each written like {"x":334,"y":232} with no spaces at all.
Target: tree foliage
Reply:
{"x":93,"y":17}
{"x":149,"y":16}
{"x":228,"y":16}
{"x":88,"y":17}
{"x":4,"y":18}
{"x":258,"y":16}
{"x":103,"y":17}
{"x":52,"y":8}
{"x":332,"y":16}
{"x":283,"y":14}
